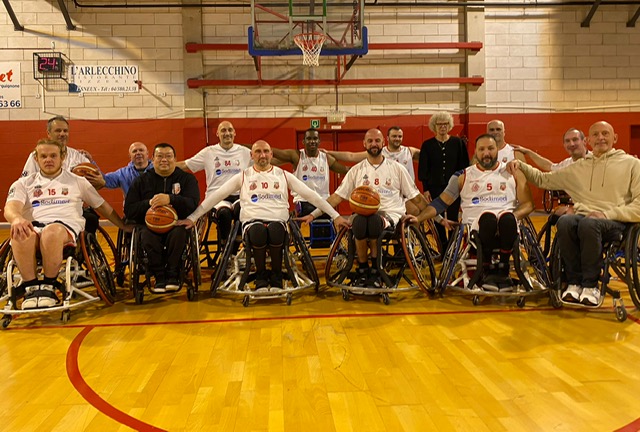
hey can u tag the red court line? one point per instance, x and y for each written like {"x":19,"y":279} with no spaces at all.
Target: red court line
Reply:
{"x":75,"y":376}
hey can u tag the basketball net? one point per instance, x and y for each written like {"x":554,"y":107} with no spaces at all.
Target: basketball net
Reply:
{"x":311,"y":45}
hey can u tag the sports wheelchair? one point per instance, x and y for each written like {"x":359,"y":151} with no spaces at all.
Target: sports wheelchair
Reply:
{"x":621,"y":256}
{"x":460,"y":272}
{"x":189,"y":271}
{"x":85,"y":264}
{"x":234,"y":271}
{"x":400,"y":249}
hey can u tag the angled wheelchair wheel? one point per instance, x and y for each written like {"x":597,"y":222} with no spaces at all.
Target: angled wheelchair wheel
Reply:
{"x":547,"y":201}
{"x":302,"y":253}
{"x":192,"y":276}
{"x":450,"y":259}
{"x":633,"y":252}
{"x":137,"y":267}
{"x":433,"y":239}
{"x":341,"y":256}
{"x":123,"y":243}
{"x":418,"y":254}
{"x":223,"y":264}
{"x":5,"y":257}
{"x":534,"y":257}
{"x":99,"y":268}
{"x":545,"y":236}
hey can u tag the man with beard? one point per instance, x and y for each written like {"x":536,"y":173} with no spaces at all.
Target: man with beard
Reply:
{"x":392,"y":182}
{"x":492,"y":201}
{"x":312,"y":167}
{"x":264,"y":198}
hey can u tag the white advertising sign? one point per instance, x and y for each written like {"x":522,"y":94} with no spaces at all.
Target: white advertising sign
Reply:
{"x":105,"y":78}
{"x":10,"y":91}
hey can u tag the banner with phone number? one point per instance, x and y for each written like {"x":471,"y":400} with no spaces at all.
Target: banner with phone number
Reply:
{"x":10,"y":89}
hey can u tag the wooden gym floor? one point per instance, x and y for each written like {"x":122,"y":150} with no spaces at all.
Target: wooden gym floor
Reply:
{"x":322,"y":364}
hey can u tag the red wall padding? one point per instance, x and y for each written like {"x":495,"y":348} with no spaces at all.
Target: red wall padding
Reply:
{"x":108,"y":140}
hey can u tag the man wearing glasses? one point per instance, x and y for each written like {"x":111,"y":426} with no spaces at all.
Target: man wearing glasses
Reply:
{"x":440,"y":157}
{"x":166,"y":184}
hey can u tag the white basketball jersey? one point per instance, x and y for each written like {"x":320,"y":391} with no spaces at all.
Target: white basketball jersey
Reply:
{"x":314,"y":172}
{"x":220,"y":164}
{"x":506,"y":154}
{"x":403,"y":157}
{"x":264,"y":195}
{"x":492,"y":190}
{"x":390,"y":179}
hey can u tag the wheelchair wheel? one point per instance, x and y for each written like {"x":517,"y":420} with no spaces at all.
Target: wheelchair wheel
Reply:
{"x":547,"y":200}
{"x":545,"y":236}
{"x":113,"y":254}
{"x":534,"y":257}
{"x":136,"y":267}
{"x":123,"y":243}
{"x":418,"y":254}
{"x":633,"y":246}
{"x":302,"y":252}
{"x":223,"y":263}
{"x":450,"y":259}
{"x":192,"y":276}
{"x":340,"y":259}
{"x":5,"y":257}
{"x":433,"y":240}
{"x":99,"y":268}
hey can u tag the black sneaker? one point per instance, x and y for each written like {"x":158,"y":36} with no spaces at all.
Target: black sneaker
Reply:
{"x":374,"y":281}
{"x":173,"y":282}
{"x":491,"y":282}
{"x":362,"y":274}
{"x":161,"y":284}
{"x":275,"y":280}
{"x":261,"y":280}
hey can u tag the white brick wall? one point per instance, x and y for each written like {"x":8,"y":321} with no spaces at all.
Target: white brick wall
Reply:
{"x":537,"y":58}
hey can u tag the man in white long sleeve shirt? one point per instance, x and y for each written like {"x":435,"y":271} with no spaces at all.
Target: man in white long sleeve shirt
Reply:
{"x":264,"y":199}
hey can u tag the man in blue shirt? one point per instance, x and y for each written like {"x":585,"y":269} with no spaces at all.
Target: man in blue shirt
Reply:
{"x":123,"y":177}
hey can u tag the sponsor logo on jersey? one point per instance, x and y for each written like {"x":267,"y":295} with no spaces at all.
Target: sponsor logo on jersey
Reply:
{"x":265,"y":196}
{"x":175,"y":188}
{"x":488,"y":200}
{"x":218,"y":172}
{"x":49,"y":201}
{"x":305,"y":177}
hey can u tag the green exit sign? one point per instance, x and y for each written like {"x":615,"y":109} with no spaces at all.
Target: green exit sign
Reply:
{"x":315,"y":124}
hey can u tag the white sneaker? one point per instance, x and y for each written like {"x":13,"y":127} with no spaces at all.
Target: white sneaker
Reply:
{"x":590,"y":296}
{"x":30,"y":298}
{"x":572,"y":294}
{"x":47,"y":296}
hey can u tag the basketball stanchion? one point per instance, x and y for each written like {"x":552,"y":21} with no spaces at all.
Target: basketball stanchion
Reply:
{"x":311,"y":45}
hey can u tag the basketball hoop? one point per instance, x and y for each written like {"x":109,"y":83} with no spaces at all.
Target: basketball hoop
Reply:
{"x":311,"y":45}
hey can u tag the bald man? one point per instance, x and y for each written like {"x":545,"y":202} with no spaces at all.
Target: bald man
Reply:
{"x":605,"y":188}
{"x":506,"y":152}
{"x":123,"y":177}
{"x":264,"y":200}
{"x":220,"y":163}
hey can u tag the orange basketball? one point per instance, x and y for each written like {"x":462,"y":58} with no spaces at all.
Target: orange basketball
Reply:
{"x":161,"y":219}
{"x":364,"y":200}
{"x":85,"y":168}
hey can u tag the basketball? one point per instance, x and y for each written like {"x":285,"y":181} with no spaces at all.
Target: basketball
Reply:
{"x":161,"y":219}
{"x":364,"y":201}
{"x":85,"y":168}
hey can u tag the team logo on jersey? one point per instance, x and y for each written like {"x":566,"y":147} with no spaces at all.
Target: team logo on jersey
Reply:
{"x":387,"y":183}
{"x":475,"y":187}
{"x":322,"y":169}
{"x":217,"y":165}
{"x":504,"y":159}
{"x":276,"y":185}
{"x":304,"y":167}
{"x":37,"y":192}
{"x":175,"y":188}
{"x":314,"y":169}
{"x":503,"y":186}
{"x":253,"y":185}
{"x":65,"y":191}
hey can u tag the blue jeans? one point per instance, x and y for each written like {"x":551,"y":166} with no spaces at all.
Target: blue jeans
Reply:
{"x":580,"y":239}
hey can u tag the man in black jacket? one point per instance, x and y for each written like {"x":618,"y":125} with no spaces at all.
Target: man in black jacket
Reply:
{"x":164,"y":185}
